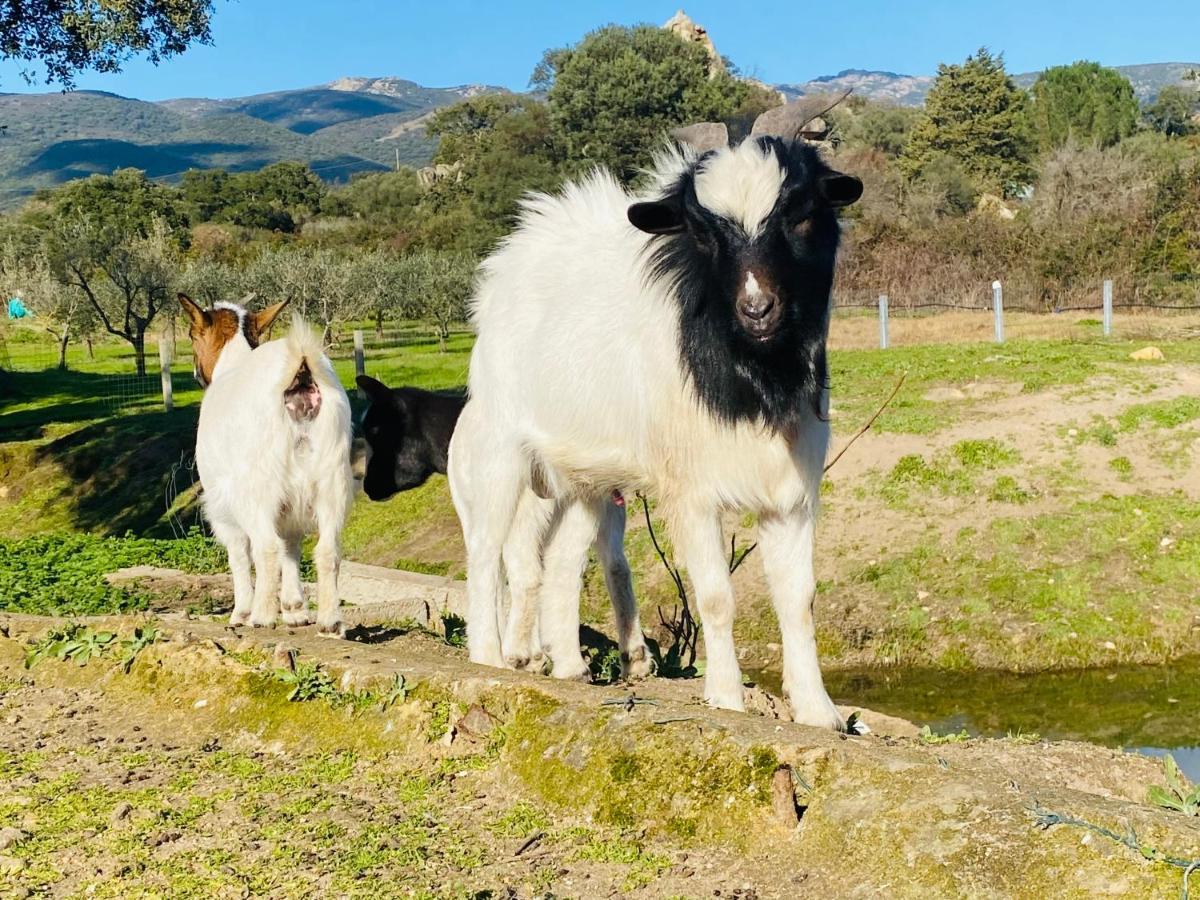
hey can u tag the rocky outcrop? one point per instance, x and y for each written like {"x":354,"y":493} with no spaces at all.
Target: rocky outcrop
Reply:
{"x":682,"y":25}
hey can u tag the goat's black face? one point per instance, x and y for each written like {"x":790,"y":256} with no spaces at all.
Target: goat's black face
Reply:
{"x":392,"y":464}
{"x":749,"y":239}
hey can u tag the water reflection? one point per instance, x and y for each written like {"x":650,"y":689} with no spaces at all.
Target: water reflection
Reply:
{"x":1152,"y":709}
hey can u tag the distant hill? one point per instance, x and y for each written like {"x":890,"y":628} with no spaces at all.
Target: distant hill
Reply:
{"x":910,"y":90}
{"x":348,"y":126}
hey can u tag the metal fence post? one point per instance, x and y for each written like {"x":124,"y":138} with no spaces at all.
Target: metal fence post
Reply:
{"x":360,"y":367}
{"x":165,"y":358}
{"x":883,"y":321}
{"x":998,"y":309}
{"x":1108,"y":297}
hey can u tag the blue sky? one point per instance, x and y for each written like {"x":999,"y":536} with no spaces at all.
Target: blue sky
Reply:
{"x":263,"y":45}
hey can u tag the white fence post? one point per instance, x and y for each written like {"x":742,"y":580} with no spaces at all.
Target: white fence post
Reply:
{"x":166,"y":356}
{"x":1108,"y":297}
{"x":360,"y":367}
{"x":883,"y":321}
{"x":998,"y":309}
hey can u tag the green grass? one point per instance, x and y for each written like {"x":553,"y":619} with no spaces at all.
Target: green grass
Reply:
{"x":1161,"y":414}
{"x":1123,"y":589}
{"x":62,"y":574}
{"x":953,"y":472}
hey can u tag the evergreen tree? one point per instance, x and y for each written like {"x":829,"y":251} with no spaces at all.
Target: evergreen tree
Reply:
{"x":976,"y":116}
{"x":1084,"y":102}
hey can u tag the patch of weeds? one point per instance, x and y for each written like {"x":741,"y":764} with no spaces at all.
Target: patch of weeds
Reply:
{"x":454,"y":629}
{"x":143,"y":637}
{"x":604,"y":664}
{"x":1122,"y":466}
{"x":643,"y":867}
{"x":439,"y":720}
{"x":397,"y":692}
{"x":74,"y":643}
{"x":308,"y":681}
{"x":50,"y":645}
{"x":63,"y":573}
{"x":1023,"y":737}
{"x":422,"y":567}
{"x":927,"y":736}
{"x":253,"y":657}
{"x":523,"y":819}
{"x":984,"y":454}
{"x":1161,"y":413}
{"x":1008,"y":490}
{"x":1177,"y":794}
{"x":1101,"y":432}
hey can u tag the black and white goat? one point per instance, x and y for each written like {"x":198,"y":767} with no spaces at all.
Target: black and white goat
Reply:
{"x":273,"y":453}
{"x":673,"y":342}
{"x":408,"y":433}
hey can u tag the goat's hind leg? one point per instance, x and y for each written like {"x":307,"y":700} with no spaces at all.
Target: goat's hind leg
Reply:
{"x":523,"y":566}
{"x":265,"y":547}
{"x":332,"y":506}
{"x":564,"y":559}
{"x":295,"y":609}
{"x":237,"y":546}
{"x":636,"y":661}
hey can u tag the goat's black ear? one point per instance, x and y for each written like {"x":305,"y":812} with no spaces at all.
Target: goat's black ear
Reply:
{"x":657,"y":216}
{"x":840,"y":190}
{"x":376,"y":391}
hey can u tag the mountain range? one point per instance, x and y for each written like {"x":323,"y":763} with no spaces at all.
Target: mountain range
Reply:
{"x":347,"y":126}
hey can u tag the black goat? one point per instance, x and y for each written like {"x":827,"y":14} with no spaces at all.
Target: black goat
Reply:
{"x":408,"y":431}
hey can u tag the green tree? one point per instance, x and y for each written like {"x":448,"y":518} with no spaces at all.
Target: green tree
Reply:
{"x":879,"y":126}
{"x":1083,"y":102}
{"x":70,"y":36}
{"x":1171,"y":112}
{"x":612,"y":96}
{"x":975,"y":115}
{"x":502,"y":146}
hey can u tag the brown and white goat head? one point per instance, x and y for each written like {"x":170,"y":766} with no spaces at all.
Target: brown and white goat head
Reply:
{"x":211,"y":329}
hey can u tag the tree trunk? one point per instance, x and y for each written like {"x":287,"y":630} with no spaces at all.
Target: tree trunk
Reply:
{"x":62,"y":348}
{"x":139,"y":350}
{"x":90,"y":349}
{"x":379,"y":323}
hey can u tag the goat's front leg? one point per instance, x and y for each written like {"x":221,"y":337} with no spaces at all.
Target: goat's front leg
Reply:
{"x":697,"y":533}
{"x":636,"y":661}
{"x":563,"y":561}
{"x":786,"y":545}
{"x":265,"y":548}
{"x":295,"y":609}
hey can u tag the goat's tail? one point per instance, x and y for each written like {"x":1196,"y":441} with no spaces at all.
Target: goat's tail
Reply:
{"x":308,"y":375}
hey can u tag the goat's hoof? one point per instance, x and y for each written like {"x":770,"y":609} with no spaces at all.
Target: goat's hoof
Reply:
{"x":822,"y":714}
{"x":331,"y":629}
{"x":297,"y":617}
{"x":239,"y":618}
{"x":517,"y":661}
{"x":262,"y":623}
{"x":637,"y":664}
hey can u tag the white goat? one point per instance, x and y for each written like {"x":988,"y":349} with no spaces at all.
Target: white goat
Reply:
{"x":273,"y":453}
{"x":685,"y":356}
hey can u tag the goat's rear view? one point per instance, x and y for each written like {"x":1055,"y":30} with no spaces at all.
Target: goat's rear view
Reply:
{"x":273,"y":453}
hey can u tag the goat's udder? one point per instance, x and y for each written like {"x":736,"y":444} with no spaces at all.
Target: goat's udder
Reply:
{"x":303,"y":397}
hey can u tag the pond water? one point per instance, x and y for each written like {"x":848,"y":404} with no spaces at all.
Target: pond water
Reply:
{"x":1148,"y":709}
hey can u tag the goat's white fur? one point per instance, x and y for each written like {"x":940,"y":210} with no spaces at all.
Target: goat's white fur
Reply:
{"x":544,"y":554}
{"x":268,"y":479}
{"x":577,"y":366}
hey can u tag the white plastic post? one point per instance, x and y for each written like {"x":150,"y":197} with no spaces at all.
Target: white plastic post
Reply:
{"x":360,"y":367}
{"x":883,"y":321}
{"x":1107,"y":307}
{"x":165,"y":358}
{"x":998,"y":309}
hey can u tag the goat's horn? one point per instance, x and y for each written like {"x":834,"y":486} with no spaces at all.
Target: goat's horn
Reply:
{"x":788,"y":121}
{"x":703,"y":136}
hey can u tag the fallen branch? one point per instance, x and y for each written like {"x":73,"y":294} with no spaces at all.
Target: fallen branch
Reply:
{"x":871,"y":421}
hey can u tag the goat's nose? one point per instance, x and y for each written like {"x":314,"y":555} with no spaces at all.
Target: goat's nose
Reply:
{"x":759,"y":307}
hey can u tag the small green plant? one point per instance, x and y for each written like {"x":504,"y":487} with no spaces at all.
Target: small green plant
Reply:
{"x":308,"y":681}
{"x":1121,"y":465}
{"x":1023,"y":737}
{"x":50,"y":645}
{"x":984,"y":454}
{"x":454,"y":629}
{"x":1008,"y":490}
{"x":605,"y":664}
{"x":928,"y":736}
{"x":143,"y":637}
{"x":397,"y":692}
{"x":1176,"y":795}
